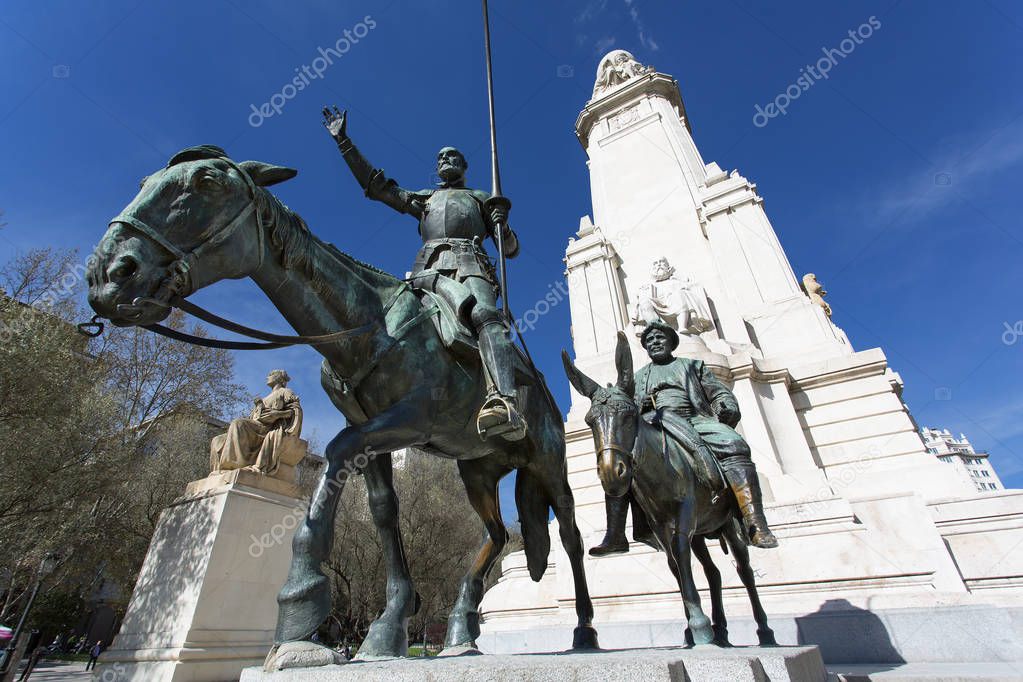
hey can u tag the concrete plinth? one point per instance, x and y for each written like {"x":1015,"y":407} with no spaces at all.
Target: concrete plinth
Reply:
{"x":704,"y":664}
{"x":204,"y":606}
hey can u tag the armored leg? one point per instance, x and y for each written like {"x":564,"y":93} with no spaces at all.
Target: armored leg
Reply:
{"x":456,"y":294}
{"x":499,"y":414}
{"x":742,"y":477}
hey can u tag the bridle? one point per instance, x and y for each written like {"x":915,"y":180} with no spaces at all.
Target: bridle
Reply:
{"x":177,"y":285}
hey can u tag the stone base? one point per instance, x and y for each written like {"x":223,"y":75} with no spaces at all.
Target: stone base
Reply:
{"x":204,"y":606}
{"x":704,"y":664}
{"x":842,"y":635}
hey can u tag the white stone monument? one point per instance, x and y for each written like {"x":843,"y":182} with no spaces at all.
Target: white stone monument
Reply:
{"x":205,"y":603}
{"x":882,"y":548}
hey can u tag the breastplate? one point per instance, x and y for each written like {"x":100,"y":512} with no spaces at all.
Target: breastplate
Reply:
{"x":452,"y":213}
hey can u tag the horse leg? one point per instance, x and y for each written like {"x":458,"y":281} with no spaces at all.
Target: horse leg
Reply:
{"x":717,"y":609}
{"x":304,"y":600}
{"x":388,"y":634}
{"x":699,"y":624}
{"x":737,"y":543}
{"x":480,"y":477}
{"x":584,"y":636}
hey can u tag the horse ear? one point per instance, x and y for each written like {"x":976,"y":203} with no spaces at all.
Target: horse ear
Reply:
{"x":579,"y":381}
{"x":623,"y":361}
{"x":265,"y":174}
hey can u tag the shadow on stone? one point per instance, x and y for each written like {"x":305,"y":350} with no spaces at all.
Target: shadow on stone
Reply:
{"x":847,"y":634}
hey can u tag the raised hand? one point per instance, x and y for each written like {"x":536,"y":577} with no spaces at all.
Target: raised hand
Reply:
{"x":336,"y":123}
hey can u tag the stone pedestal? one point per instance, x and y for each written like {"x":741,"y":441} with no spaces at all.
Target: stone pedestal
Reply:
{"x":704,"y":664}
{"x":204,"y":606}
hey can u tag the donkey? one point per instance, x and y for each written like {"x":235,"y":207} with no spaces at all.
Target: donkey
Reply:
{"x":204,"y":218}
{"x":682,"y":512}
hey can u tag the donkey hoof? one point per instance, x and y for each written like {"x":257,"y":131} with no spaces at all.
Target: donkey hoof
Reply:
{"x":766,"y":637}
{"x":383,"y":641}
{"x":467,"y":649}
{"x":584,"y":638}
{"x":721,"y":637}
{"x":702,"y":632}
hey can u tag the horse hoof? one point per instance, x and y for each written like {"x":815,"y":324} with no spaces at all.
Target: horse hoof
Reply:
{"x":584,"y":638}
{"x":302,"y":606}
{"x":383,"y":641}
{"x":468,"y":649}
{"x":301,"y":654}
{"x":766,"y":637}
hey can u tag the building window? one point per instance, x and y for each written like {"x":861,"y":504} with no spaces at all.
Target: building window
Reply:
{"x":985,"y":474}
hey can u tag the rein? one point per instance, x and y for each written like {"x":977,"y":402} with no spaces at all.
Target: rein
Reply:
{"x":178,"y":284}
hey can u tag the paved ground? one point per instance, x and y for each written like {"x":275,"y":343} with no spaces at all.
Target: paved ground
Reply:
{"x":930,"y":672}
{"x":57,"y":671}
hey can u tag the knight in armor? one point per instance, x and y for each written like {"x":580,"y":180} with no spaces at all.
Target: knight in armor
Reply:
{"x":454,"y":222}
{"x":697,"y":411}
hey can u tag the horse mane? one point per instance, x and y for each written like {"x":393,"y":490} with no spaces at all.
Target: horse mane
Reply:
{"x":290,"y":233}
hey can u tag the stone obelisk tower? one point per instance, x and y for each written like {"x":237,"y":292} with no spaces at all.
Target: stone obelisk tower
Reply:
{"x":852,"y":494}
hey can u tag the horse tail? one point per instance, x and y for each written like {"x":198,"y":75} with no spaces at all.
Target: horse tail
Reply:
{"x":534,"y":509}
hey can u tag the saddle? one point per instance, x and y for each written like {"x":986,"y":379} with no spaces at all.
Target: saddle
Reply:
{"x":454,"y":333}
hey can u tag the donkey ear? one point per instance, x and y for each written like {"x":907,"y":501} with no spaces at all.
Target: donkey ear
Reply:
{"x":265,"y":174}
{"x":623,"y":361}
{"x":579,"y":381}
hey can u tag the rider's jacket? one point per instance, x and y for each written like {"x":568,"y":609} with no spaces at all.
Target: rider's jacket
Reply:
{"x":683,"y":385}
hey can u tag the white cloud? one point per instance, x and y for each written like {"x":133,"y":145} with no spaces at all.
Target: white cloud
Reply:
{"x":645,"y":39}
{"x":959,"y":164}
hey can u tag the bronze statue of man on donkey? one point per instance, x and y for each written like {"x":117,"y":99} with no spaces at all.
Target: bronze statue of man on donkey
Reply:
{"x":684,"y":399}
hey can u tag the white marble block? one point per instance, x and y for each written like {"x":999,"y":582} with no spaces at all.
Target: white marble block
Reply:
{"x":204,"y":606}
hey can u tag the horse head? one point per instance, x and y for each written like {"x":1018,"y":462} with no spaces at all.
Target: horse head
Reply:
{"x":194,"y":222}
{"x":613,"y":418}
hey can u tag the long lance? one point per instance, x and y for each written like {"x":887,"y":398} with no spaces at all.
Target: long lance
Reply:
{"x":496,"y":198}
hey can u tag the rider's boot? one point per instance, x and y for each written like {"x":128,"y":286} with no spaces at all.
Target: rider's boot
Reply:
{"x":499,"y":415}
{"x":614,"y":541}
{"x":746,"y":486}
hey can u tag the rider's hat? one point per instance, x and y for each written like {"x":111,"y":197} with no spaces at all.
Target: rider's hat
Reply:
{"x":660,"y":326}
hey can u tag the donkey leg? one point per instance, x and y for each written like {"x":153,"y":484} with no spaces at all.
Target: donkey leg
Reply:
{"x":717,"y":609}
{"x":699,"y":624}
{"x":585,"y":635}
{"x":480,"y":477}
{"x":740,"y":551}
{"x":388,"y":634}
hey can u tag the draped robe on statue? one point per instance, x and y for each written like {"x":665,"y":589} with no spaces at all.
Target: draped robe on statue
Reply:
{"x":256,"y":442}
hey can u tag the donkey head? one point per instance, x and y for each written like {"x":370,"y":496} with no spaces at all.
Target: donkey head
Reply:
{"x":202,"y":203}
{"x":613,"y":418}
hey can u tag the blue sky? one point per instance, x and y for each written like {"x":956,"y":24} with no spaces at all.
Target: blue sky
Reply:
{"x":895,"y":179}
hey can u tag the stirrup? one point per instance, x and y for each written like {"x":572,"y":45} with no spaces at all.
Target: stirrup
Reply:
{"x":498,"y":417}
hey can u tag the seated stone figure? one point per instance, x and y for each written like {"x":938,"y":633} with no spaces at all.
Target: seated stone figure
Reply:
{"x":257,"y":443}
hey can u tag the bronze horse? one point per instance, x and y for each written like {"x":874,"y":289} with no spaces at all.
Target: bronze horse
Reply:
{"x":632,"y":454}
{"x":204,"y":218}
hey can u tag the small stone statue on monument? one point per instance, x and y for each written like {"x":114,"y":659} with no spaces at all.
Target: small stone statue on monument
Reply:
{"x":256,"y":443}
{"x":679,"y":303}
{"x":616,"y":68}
{"x":815,"y":291}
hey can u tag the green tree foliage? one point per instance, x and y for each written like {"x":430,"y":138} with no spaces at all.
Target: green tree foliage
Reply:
{"x":96,"y":438}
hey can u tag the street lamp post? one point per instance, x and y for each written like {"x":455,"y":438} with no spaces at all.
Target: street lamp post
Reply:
{"x":46,"y":567}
